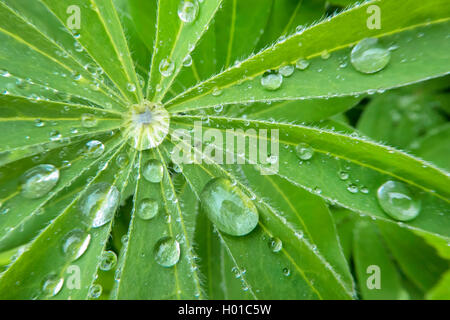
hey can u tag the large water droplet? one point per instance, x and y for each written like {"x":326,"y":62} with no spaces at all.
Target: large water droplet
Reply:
{"x":369,"y":57}
{"x":99,"y":203}
{"x":229,"y":208}
{"x":39,"y":180}
{"x":398,"y":201}
{"x":75,"y":243}
{"x":188,"y":10}
{"x":95,"y":291}
{"x":167,"y":252}
{"x":153,"y":171}
{"x":147,"y":209}
{"x":304,"y":151}
{"x":108,"y":260}
{"x":52,"y":285}
{"x":271,"y":81}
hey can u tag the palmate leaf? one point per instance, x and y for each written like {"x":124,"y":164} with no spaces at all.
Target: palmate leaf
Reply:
{"x":63,"y":89}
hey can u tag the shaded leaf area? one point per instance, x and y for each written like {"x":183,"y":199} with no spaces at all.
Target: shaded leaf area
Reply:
{"x":139,"y":274}
{"x":175,"y":39}
{"x":330,"y":73}
{"x":387,"y":258}
{"x":303,"y":268}
{"x":55,"y":58}
{"x":54,"y":277}
{"x":366,"y":168}
{"x":34,"y":127}
{"x":23,"y":218}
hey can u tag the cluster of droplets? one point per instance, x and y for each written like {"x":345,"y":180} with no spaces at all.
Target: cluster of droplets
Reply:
{"x":367,"y":57}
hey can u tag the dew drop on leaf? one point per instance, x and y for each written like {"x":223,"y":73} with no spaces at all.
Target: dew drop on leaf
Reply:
{"x":88,"y":120}
{"x":167,"y":252}
{"x":229,"y":208}
{"x":368,"y":56}
{"x":95,"y":291}
{"x":187,"y":61}
{"x":153,"y":171}
{"x":304,"y":151}
{"x":166,"y":67}
{"x":94,"y":149}
{"x":188,"y":10}
{"x":75,"y":243}
{"x":398,"y":201}
{"x":39,"y":180}
{"x":131,"y":87}
{"x":147,"y":209}
{"x":275,"y":244}
{"x":99,"y":203}
{"x":108,"y":260}
{"x":271,"y":80}
{"x":286,"y":71}
{"x":52,"y":285}
{"x":302,"y":64}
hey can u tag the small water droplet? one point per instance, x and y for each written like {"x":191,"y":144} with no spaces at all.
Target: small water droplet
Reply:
{"x":108,"y":260}
{"x":95,"y":291}
{"x":229,"y":208}
{"x":166,"y":67}
{"x":398,"y":201}
{"x":131,"y":87}
{"x":275,"y":244}
{"x":286,"y":71}
{"x":39,"y":180}
{"x":368,"y":56}
{"x":271,"y":80}
{"x":344,"y":175}
{"x":302,"y":64}
{"x":94,"y":149}
{"x":167,"y":252}
{"x":188,"y":10}
{"x":304,"y":151}
{"x":88,"y":120}
{"x":187,"y":61}
{"x":147,"y":209}
{"x":52,"y":285}
{"x":99,"y":203}
{"x":153,"y":171}
{"x":75,"y":243}
{"x":352,"y":188}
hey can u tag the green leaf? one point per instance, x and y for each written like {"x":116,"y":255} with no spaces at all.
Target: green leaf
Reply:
{"x":377,"y":274}
{"x":175,"y":219}
{"x":435,"y":147}
{"x":332,"y":77}
{"x":50,"y":243}
{"x":175,"y":39}
{"x":367,"y":163}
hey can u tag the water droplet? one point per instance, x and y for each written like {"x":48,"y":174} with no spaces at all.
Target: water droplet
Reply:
{"x":304,"y":151}
{"x":75,"y":243}
{"x":147,"y":209}
{"x":52,"y":285}
{"x":344,"y":175}
{"x":166,"y":67}
{"x":108,"y":260}
{"x":369,"y":57}
{"x":352,"y":188}
{"x":131,"y":87}
{"x":39,"y":123}
{"x":99,"y":203}
{"x":271,"y":80}
{"x":216,"y":92}
{"x":153,"y":171}
{"x":95,"y":291}
{"x":229,"y":208}
{"x":88,"y":120}
{"x":302,"y":64}
{"x":94,"y":149}
{"x":167,"y":252}
{"x":187,"y":61}
{"x":286,"y":71}
{"x":325,"y":55}
{"x":39,"y":180}
{"x":398,"y":201}
{"x":55,"y":135}
{"x":275,"y":244}
{"x":188,"y":10}
{"x":287,"y":272}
